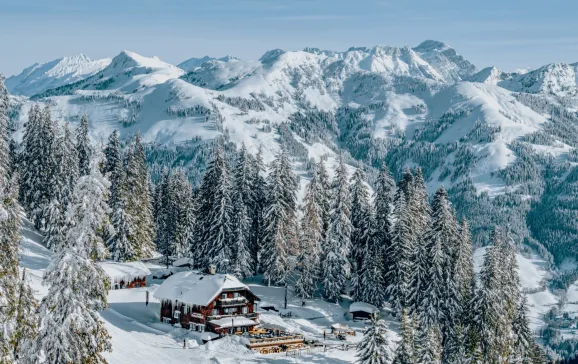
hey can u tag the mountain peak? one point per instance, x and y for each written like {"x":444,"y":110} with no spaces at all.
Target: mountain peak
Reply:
{"x":271,"y":56}
{"x":431,"y":45}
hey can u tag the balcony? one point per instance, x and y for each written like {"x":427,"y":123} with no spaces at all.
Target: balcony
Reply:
{"x":231,"y":302}
{"x":253,"y":315}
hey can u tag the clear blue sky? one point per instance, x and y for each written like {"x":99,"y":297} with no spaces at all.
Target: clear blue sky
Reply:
{"x":506,"y":33}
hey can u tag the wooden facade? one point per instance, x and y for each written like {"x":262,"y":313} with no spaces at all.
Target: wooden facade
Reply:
{"x":228,"y":303}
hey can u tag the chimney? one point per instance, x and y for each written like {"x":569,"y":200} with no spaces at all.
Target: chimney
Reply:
{"x":212,"y":269}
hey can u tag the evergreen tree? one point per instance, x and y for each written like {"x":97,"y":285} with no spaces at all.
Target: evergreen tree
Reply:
{"x":404,"y":354}
{"x":38,"y":165}
{"x":243,"y":204}
{"x":70,"y":329}
{"x":5,"y":170}
{"x":138,"y":203}
{"x":17,"y":323}
{"x":361,"y":233}
{"x":279,"y":219}
{"x":181,"y":200}
{"x":163,"y":219}
{"x":524,"y":340}
{"x":326,"y":197}
{"x":311,"y":237}
{"x":83,"y":147}
{"x":336,"y":267}
{"x":373,"y":348}
{"x":383,"y":231}
{"x":403,"y":245}
{"x":215,"y":215}
{"x":420,"y":212}
{"x":438,"y":301}
{"x":259,"y":197}
{"x":430,"y":346}
{"x":120,"y":247}
{"x":114,"y":169}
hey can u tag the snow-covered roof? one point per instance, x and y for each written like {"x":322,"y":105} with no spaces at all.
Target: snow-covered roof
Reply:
{"x":234,"y":322}
{"x":126,"y":271}
{"x":181,"y":262}
{"x":362,"y":306}
{"x":197,"y":288}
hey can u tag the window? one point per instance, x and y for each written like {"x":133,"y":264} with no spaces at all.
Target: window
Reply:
{"x":231,"y":310}
{"x":236,"y":295}
{"x":214,"y":312}
{"x":224,"y":296}
{"x":177,"y":314}
{"x":245,"y":309}
{"x":167,"y":320}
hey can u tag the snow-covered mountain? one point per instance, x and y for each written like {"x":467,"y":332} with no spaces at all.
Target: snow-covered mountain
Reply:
{"x":192,"y":63}
{"x":44,"y":76}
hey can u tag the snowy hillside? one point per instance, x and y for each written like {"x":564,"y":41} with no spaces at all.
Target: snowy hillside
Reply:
{"x":138,"y":336}
{"x":45,"y":76}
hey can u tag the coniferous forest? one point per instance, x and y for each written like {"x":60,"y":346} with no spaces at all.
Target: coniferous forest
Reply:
{"x":390,"y":245}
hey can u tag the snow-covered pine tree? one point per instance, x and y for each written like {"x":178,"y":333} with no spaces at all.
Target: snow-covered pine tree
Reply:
{"x":5,"y":139}
{"x":119,"y":245}
{"x":280,"y":218}
{"x":402,"y":252}
{"x":113,"y":168}
{"x":215,"y":220}
{"x":490,"y":317}
{"x":336,"y":267}
{"x":26,"y":329}
{"x":138,"y":203}
{"x":38,"y":165}
{"x":383,"y":223}
{"x":243,"y":204}
{"x":420,"y":211}
{"x":83,"y":146}
{"x":361,"y":233}
{"x":259,"y":193}
{"x":524,"y":343}
{"x":310,"y":239}
{"x":163,"y":219}
{"x":70,"y":329}
{"x":438,"y":301}
{"x":64,"y":177}
{"x":429,"y":349}
{"x":326,"y":201}
{"x":405,"y":353}
{"x":16,"y":329}
{"x":374,"y":347}
{"x":181,"y":193}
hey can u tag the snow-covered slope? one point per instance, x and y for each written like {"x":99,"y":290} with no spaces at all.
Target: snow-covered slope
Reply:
{"x":192,"y":63}
{"x":44,"y":76}
{"x":557,"y":79}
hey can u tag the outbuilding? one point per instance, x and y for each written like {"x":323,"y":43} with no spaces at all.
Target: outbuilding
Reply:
{"x":362,"y":310}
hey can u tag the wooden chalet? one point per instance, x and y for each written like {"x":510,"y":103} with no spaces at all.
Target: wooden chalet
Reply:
{"x":125,"y":274}
{"x":218,"y":303}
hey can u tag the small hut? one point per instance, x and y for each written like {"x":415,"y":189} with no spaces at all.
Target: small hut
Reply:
{"x":362,"y":310}
{"x":126,"y":274}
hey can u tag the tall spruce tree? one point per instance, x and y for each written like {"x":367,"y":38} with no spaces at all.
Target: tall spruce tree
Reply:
{"x":420,"y":211}
{"x":311,"y":237}
{"x":181,"y":193}
{"x":336,"y":267}
{"x":215,"y":220}
{"x":430,"y":346}
{"x":374,"y":347}
{"x":405,"y":353}
{"x":361,"y":233}
{"x":243,"y":205}
{"x":280,"y":218}
{"x":38,"y":165}
{"x":438,"y":303}
{"x":70,"y":329}
{"x":259,"y":197}
{"x":385,"y":190}
{"x":114,"y":169}
{"x":402,"y":253}
{"x":83,"y":146}
{"x":138,"y":203}
{"x":5,"y":139}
